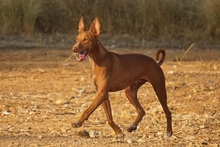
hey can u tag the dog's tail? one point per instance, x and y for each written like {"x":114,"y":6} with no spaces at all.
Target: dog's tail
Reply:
{"x":163,"y":56}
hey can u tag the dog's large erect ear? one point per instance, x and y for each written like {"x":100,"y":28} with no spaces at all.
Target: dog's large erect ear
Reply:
{"x":95,"y":27}
{"x":81,"y":27}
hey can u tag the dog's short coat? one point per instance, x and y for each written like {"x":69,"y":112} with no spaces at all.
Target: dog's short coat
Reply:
{"x":113,"y":72}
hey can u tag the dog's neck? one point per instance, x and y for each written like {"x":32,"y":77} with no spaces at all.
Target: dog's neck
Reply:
{"x":98,"y":53}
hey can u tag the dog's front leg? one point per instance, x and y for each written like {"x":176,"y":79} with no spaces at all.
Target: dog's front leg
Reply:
{"x":100,"y":98}
{"x":102,"y":95}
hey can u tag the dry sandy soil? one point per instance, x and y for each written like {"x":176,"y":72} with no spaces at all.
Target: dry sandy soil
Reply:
{"x":40,"y":98}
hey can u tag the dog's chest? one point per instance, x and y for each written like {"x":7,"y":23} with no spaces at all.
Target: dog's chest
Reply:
{"x":93,"y":75}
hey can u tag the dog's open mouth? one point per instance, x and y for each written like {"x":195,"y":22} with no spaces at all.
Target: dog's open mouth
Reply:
{"x":82,"y":55}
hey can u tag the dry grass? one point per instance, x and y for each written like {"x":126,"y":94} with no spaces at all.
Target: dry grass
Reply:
{"x":19,"y":16}
{"x":158,"y":19}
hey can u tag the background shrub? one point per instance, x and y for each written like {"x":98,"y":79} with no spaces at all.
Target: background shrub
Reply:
{"x":148,"y":19}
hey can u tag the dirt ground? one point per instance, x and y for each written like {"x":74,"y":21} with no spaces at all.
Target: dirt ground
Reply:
{"x":40,"y":97}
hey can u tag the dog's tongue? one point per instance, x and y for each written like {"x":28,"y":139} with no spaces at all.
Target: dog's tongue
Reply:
{"x":82,"y":55}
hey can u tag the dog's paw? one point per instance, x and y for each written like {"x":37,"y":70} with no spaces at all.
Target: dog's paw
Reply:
{"x":76,"y":125}
{"x":132,"y":128}
{"x":120,"y":136}
{"x":169,"y":133}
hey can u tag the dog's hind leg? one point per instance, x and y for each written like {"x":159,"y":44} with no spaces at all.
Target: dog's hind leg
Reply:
{"x":159,"y":88}
{"x":131,"y":94}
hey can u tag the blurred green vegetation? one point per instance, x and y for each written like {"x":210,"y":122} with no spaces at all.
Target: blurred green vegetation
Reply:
{"x":149,"y":19}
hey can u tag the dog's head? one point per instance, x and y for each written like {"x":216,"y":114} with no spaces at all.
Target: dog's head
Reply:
{"x":85,"y":39}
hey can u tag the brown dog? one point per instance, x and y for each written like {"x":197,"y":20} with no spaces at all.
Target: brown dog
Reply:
{"x":113,"y":72}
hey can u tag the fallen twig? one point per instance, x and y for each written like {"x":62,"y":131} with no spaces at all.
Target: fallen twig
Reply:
{"x":186,"y":51}
{"x":67,"y":60}
{"x":11,"y":126}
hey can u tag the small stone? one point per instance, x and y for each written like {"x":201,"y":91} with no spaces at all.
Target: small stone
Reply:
{"x":82,"y":79}
{"x":159,"y":133}
{"x":72,"y":97}
{"x":204,"y":143}
{"x":209,"y":114}
{"x":59,"y":102}
{"x":215,"y":67}
{"x":84,"y":133}
{"x":63,"y":130}
{"x":170,"y":72}
{"x":80,"y":90}
{"x":202,"y":127}
{"x":5,"y":113}
{"x":129,"y":141}
{"x":190,"y":137}
{"x":141,"y":140}
{"x":41,"y":70}
{"x":94,"y":134}
{"x":39,"y":136}
{"x":85,"y":105}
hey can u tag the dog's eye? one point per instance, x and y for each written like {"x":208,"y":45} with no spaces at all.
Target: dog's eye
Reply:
{"x":84,"y":39}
